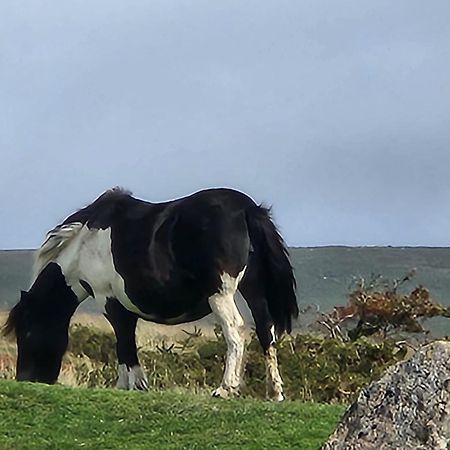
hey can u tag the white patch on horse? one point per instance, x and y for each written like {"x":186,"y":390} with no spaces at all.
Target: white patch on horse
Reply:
{"x":132,"y":378}
{"x":57,"y":239}
{"x":85,"y":254}
{"x":272,"y":332}
{"x":224,"y":307}
{"x":61,"y":247}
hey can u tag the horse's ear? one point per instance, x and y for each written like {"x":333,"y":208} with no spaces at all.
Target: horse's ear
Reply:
{"x":161,"y":250}
{"x":24,"y":296}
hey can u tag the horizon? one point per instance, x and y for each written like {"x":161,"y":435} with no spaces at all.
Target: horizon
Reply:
{"x":291,"y":247}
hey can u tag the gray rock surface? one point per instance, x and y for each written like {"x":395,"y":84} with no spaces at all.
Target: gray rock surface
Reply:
{"x":408,"y":408}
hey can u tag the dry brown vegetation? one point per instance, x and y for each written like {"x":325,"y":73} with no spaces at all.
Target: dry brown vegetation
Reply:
{"x":315,"y":367}
{"x":380,"y":308}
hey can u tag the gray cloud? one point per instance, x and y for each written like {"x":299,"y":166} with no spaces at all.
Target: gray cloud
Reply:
{"x":334,"y":112}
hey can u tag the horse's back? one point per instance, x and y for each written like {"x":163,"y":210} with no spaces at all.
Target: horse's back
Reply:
{"x":148,"y":255}
{"x":211,"y":231}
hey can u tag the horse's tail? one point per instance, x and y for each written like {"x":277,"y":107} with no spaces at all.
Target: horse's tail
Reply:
{"x":279,"y":281}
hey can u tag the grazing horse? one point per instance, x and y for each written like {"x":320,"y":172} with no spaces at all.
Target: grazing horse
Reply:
{"x":168,"y":263}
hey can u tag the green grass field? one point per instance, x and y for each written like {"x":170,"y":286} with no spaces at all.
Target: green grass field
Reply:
{"x":36,"y":416}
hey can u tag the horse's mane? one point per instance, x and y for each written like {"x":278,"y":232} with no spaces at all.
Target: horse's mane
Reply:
{"x":56,"y":240}
{"x":99,"y":211}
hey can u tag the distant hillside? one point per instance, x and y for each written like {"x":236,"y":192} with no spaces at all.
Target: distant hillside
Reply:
{"x":324,"y":274}
{"x":15,"y":274}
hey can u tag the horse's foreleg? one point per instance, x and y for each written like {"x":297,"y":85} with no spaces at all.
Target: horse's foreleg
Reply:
{"x":131,"y":375}
{"x":224,"y":307}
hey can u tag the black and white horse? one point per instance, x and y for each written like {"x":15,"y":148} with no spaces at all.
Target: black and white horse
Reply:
{"x":168,"y":263}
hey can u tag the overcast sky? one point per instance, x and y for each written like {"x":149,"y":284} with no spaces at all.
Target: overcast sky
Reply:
{"x":337,"y":113}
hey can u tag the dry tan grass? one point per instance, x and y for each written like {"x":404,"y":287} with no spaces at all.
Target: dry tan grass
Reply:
{"x":149,"y":335}
{"x":7,"y":353}
{"x":147,"y":332}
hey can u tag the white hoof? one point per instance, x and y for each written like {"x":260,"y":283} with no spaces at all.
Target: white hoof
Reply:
{"x":132,"y":378}
{"x":222,"y":392}
{"x":274,"y":392}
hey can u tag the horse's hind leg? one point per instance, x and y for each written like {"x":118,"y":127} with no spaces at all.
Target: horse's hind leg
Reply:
{"x":131,"y":375}
{"x":253,"y":292}
{"x":41,"y":321}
